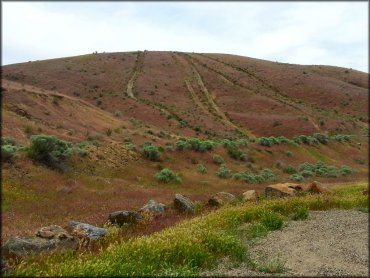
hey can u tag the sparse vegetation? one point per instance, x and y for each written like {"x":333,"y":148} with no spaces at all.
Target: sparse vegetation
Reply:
{"x":201,"y":169}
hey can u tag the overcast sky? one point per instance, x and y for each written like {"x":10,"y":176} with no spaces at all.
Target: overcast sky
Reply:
{"x":327,"y":33}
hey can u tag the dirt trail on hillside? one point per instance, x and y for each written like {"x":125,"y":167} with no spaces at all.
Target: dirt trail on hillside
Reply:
{"x":328,"y":243}
{"x":134,"y":75}
{"x":210,"y":99}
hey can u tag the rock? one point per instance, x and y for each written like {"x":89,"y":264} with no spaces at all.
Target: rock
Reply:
{"x":47,"y":239}
{"x":279,"y":190}
{"x":65,"y":189}
{"x":52,"y":231}
{"x":153,"y":206}
{"x":221,"y":198}
{"x":125,"y":217}
{"x":183,"y":204}
{"x":90,"y":231}
{"x":317,"y":187}
{"x":298,"y":187}
{"x":250,"y":195}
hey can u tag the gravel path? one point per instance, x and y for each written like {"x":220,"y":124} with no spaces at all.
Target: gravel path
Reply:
{"x":327,"y":243}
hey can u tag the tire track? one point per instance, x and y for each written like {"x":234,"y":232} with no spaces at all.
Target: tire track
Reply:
{"x":210,"y":99}
{"x":278,"y":96}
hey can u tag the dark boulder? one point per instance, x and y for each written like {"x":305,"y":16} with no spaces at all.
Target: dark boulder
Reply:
{"x":125,"y":217}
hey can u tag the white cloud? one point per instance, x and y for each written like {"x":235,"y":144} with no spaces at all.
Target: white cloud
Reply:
{"x":332,"y":33}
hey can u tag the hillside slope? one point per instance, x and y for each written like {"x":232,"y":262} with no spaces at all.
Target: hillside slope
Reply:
{"x":206,"y":95}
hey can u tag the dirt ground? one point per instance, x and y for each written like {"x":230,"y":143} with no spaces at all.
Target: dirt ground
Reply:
{"x":327,"y":243}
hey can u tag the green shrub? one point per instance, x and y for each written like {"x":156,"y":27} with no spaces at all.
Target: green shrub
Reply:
{"x":236,"y":154}
{"x":288,"y":153}
{"x":223,"y":172}
{"x":218,"y":159}
{"x":345,"y":170}
{"x":194,"y":144}
{"x":151,"y":152}
{"x":7,"y":141}
{"x":264,"y":141}
{"x":49,"y":150}
{"x":296,"y":177}
{"x":322,"y":138}
{"x":81,"y":152}
{"x":166,"y":176}
{"x":271,"y":220}
{"x":8,"y":152}
{"x":289,"y":170}
{"x":264,"y":175}
{"x":305,"y":139}
{"x":341,"y":138}
{"x":279,"y":164}
{"x":307,"y":173}
{"x":117,"y":113}
{"x":201,"y":169}
{"x":306,"y":167}
{"x":181,"y":145}
{"x":267,"y":175}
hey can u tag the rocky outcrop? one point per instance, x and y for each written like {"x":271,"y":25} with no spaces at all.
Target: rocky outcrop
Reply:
{"x":221,"y":198}
{"x":46,"y":239}
{"x":317,"y":187}
{"x":279,"y":190}
{"x":125,"y":217}
{"x":183,"y":204}
{"x":90,"y":231}
{"x":250,"y":195}
{"x":153,"y":207}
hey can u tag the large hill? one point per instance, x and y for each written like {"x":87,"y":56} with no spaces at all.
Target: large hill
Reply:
{"x":124,"y":114}
{"x":184,"y":94}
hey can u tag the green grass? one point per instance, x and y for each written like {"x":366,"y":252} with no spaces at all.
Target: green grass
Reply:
{"x":194,"y":244}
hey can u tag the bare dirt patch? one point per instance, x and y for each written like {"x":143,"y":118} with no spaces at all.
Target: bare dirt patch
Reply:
{"x":328,"y":243}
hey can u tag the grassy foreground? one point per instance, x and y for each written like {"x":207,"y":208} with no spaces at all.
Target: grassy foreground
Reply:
{"x":194,"y":244}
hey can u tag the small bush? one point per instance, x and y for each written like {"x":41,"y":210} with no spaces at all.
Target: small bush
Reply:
{"x":81,"y":152}
{"x":296,"y":177}
{"x":152,"y":153}
{"x":345,"y":170}
{"x":289,"y":153}
{"x":322,"y":138}
{"x":201,"y":169}
{"x":267,"y":175}
{"x":307,"y":173}
{"x":341,"y":138}
{"x":8,"y":152}
{"x":218,"y":159}
{"x":271,"y":220}
{"x":117,"y":113}
{"x":49,"y":150}
{"x":7,"y":141}
{"x":108,"y":132}
{"x":166,"y":176}
{"x":236,"y":154}
{"x":289,"y":170}
{"x":223,"y":172}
